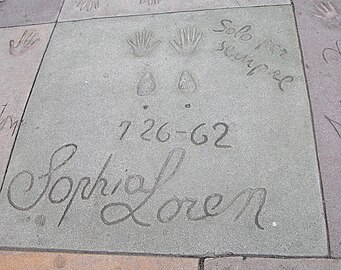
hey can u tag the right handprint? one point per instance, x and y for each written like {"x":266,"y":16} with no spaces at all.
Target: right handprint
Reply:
{"x":189,"y":41}
{"x":328,"y":13}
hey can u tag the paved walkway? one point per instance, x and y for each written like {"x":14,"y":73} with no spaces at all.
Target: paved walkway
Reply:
{"x":157,"y":134}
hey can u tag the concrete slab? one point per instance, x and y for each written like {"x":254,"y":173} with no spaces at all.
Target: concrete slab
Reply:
{"x":271,"y":264}
{"x":85,"y":9}
{"x":184,"y":134}
{"x":23,"y":12}
{"x":57,"y":261}
{"x":21,"y":51}
{"x":323,"y":67}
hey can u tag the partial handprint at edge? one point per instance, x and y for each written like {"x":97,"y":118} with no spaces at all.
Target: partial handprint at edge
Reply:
{"x":27,"y":40}
{"x":88,"y":5}
{"x":328,"y":13}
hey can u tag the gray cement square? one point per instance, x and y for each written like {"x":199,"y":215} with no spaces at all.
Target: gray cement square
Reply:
{"x":320,"y":24}
{"x":84,"y":9}
{"x":24,"y":12}
{"x":184,"y":134}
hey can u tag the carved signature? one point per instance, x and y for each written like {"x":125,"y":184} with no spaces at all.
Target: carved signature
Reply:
{"x":243,"y":33}
{"x":254,"y":67}
{"x":328,"y":13}
{"x":332,"y":54}
{"x":65,"y":189}
{"x":9,"y":119}
{"x":272,"y":48}
{"x":28,"y":39}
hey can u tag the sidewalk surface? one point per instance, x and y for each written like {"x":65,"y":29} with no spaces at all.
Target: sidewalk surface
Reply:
{"x":158,"y":134}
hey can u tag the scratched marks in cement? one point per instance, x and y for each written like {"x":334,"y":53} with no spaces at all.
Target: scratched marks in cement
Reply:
{"x":199,"y":130}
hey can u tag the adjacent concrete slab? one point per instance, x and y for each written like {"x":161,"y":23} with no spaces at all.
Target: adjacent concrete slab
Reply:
{"x":57,"y":261}
{"x":23,"y":12}
{"x":320,"y":24}
{"x":178,"y":134}
{"x":21,"y":50}
{"x":271,"y":264}
{"x":83,"y":9}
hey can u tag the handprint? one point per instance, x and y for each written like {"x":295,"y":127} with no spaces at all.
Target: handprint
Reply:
{"x":28,"y":39}
{"x":189,"y":40}
{"x":143,"y":45}
{"x":327,"y":12}
{"x":88,"y":5}
{"x":150,"y":2}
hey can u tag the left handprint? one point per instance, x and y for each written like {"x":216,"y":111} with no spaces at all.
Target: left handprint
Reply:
{"x":28,"y":39}
{"x":88,"y":5}
{"x":143,"y":44}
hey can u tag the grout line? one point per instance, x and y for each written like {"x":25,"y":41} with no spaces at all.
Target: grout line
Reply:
{"x":27,"y":25}
{"x":27,"y":101}
{"x":265,"y":256}
{"x":146,"y":254}
{"x":314,"y":133}
{"x":60,"y":10}
{"x":201,"y":265}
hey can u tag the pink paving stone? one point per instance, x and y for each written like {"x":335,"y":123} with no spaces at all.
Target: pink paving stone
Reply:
{"x":18,"y":68}
{"x":321,"y":42}
{"x":24,"y":12}
{"x":271,"y":264}
{"x":62,"y":261}
{"x":84,"y":9}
